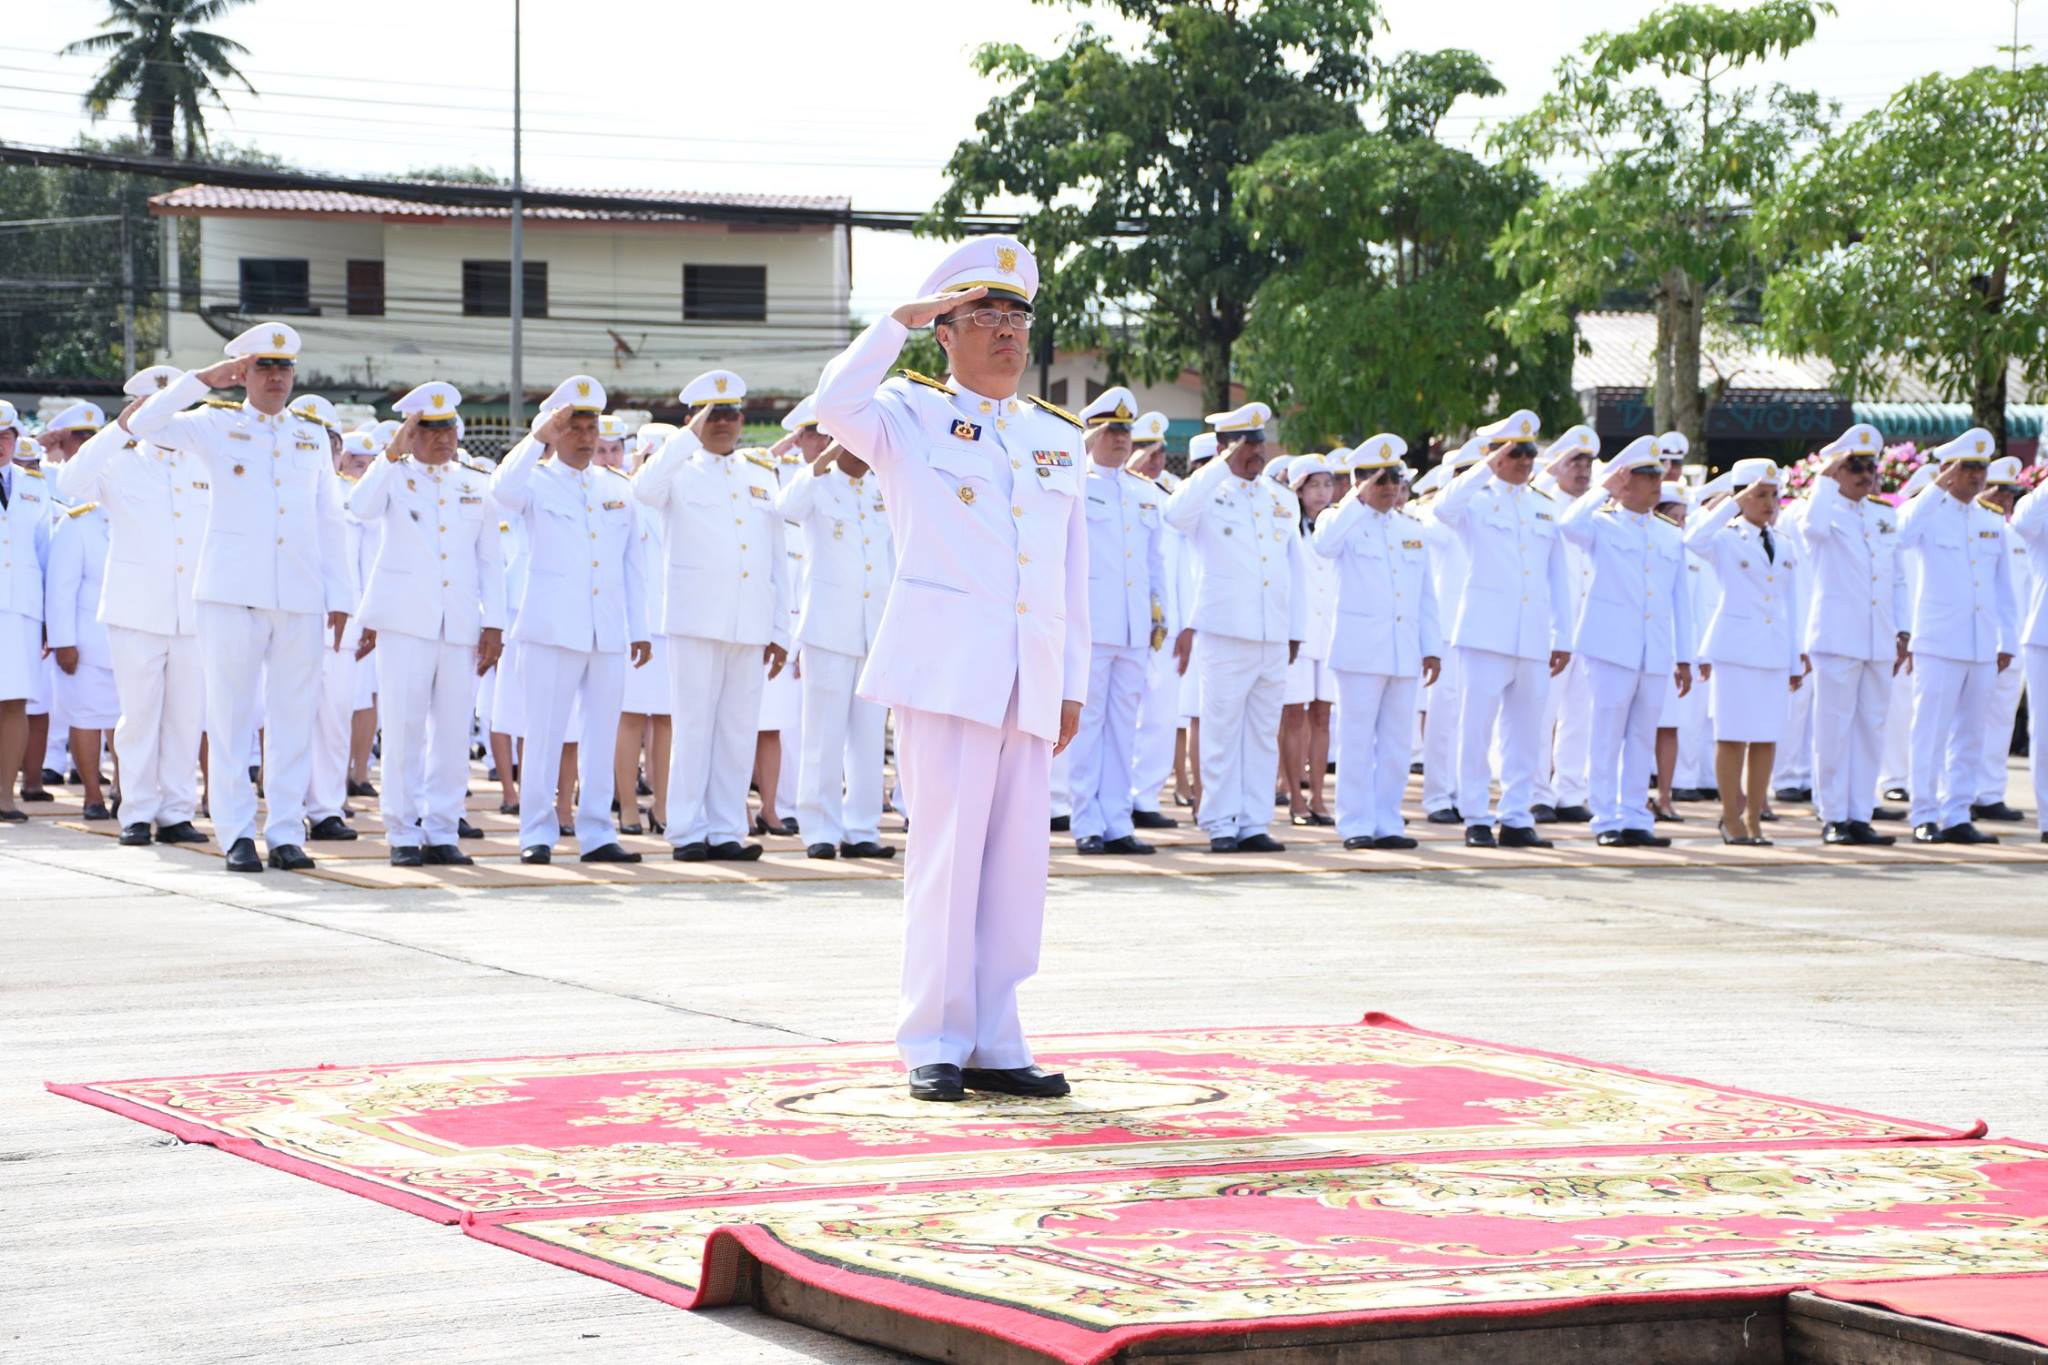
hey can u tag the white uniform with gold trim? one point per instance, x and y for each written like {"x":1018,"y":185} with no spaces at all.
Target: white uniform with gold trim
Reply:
{"x":1859,"y":604}
{"x":75,"y":582}
{"x":1126,"y":598}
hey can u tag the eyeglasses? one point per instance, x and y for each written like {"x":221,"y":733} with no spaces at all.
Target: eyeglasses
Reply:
{"x":1859,"y":464}
{"x":994,"y":317}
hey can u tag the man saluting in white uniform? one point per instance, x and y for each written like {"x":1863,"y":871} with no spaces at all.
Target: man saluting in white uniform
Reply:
{"x":982,"y":651}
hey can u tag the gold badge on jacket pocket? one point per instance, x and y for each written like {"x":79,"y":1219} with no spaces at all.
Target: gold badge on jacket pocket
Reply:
{"x":967,"y":495}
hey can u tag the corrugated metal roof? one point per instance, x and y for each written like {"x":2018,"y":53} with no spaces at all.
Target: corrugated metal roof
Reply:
{"x":1624,"y":346}
{"x":226,"y":199}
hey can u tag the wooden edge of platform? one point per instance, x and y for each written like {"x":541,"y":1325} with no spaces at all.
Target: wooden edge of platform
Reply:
{"x":1822,"y":1331}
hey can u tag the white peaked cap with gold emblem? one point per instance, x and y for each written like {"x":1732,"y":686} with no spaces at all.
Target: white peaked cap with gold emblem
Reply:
{"x":1747,"y":474}
{"x":1383,"y":451}
{"x":265,"y":341}
{"x":1340,"y":458}
{"x":78,"y":417}
{"x":1431,"y":479}
{"x":714,"y":386}
{"x":611,"y":427}
{"x":1115,"y":405}
{"x":1250,"y":417}
{"x":804,"y":414}
{"x":434,"y":401}
{"x":318,"y":408}
{"x":1520,"y":425}
{"x":1465,"y":456}
{"x":1201,"y":446}
{"x":10,"y":420}
{"x":1002,"y":265}
{"x":651,"y":437}
{"x":144,"y":383}
{"x":1276,"y":468}
{"x":1302,"y":466}
{"x":385,"y":431}
{"x":1974,"y":446}
{"x":1673,"y":445}
{"x":1860,"y":439}
{"x":1919,"y":481}
{"x":1571,"y":443}
{"x":1150,"y":428}
{"x":1672,"y":492}
{"x":1639,"y":455}
{"x":2004,"y":472}
{"x":362,"y":443}
{"x":578,"y":393}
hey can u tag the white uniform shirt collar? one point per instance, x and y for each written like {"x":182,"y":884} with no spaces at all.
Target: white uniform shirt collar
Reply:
{"x":971,"y":402}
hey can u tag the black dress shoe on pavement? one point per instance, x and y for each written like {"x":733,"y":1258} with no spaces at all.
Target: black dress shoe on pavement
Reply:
{"x":1835,"y":832}
{"x":1088,"y":844}
{"x":242,"y":856}
{"x":465,"y":830}
{"x":1414,"y":770}
{"x":1887,"y":813}
{"x":822,"y":850}
{"x":867,"y":848}
{"x":565,"y":831}
{"x":332,"y":828}
{"x":52,"y":776}
{"x":1928,"y":833}
{"x":1543,"y":814}
{"x":631,"y":829}
{"x":179,"y":832}
{"x":1358,"y":841}
{"x":1967,"y":833}
{"x":446,"y":855}
{"x":28,"y":795}
{"x":135,"y":835}
{"x":734,"y":853}
{"x":361,"y":789}
{"x":1642,"y":838}
{"x":1861,"y":833}
{"x":1152,"y":819}
{"x":1029,"y":1081}
{"x":1393,"y":841}
{"x":1996,"y":810}
{"x":289,"y":858}
{"x":536,"y":855}
{"x":609,"y":853}
{"x":696,"y":851}
{"x":1609,"y":838}
{"x":1897,"y":794}
{"x":1574,"y":815}
{"x":1685,"y":794}
{"x":939,"y":1082}
{"x":1261,"y":843}
{"x":1130,"y":844}
{"x":96,"y":811}
{"x":1791,"y":795}
{"x":1223,"y":843}
{"x":1447,"y":816}
{"x":1521,"y":836}
{"x":1479,"y":836}
{"x":407,"y":857}
{"x":1062,"y":823}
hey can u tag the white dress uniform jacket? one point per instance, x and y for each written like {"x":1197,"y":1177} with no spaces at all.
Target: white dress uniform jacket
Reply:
{"x":1964,"y":607}
{"x":585,"y":587}
{"x":1386,"y":607}
{"x":1638,"y":612}
{"x":76,"y":580}
{"x":1126,"y":556}
{"x":1859,"y":595}
{"x":853,"y":557}
{"x":1760,"y":620}
{"x":1243,"y":535}
{"x":1516,"y":590}
{"x":2029,"y":525}
{"x":728,"y":566}
{"x":437,"y":573}
{"x":24,"y":542}
{"x":156,"y":500}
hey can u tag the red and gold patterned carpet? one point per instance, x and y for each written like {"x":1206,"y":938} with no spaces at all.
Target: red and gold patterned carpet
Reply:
{"x":1195,"y":1182}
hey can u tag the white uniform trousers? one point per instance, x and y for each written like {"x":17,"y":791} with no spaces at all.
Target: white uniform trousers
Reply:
{"x":333,"y":731}
{"x":1243,"y":682}
{"x":1100,"y":774}
{"x":1372,"y":751}
{"x":1951,"y":706}
{"x":1793,"y":765}
{"x":2003,"y":711}
{"x":1626,"y":707}
{"x":1850,"y":699}
{"x":162,"y":685}
{"x":1440,"y":736}
{"x":1895,"y":760}
{"x":715,"y":689}
{"x":2036,"y":660}
{"x":1158,"y":723}
{"x":839,"y":778}
{"x":1568,"y":720}
{"x":973,"y":885}
{"x":1512,"y":690}
{"x":286,"y":648}
{"x":550,"y":679}
{"x":425,"y":692}
{"x":1061,"y":782}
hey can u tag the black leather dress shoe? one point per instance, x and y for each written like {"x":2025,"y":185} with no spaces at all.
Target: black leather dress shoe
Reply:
{"x":1887,"y":813}
{"x":1358,"y":841}
{"x":1995,"y":810}
{"x":1029,"y":1081}
{"x":1860,"y":832}
{"x":446,"y":855}
{"x":1967,"y":833}
{"x":1152,"y":819}
{"x":822,"y":850}
{"x":180,"y":832}
{"x":408,"y":856}
{"x":51,"y":777}
{"x":1685,"y":794}
{"x":289,"y":858}
{"x":536,"y":855}
{"x":242,"y":856}
{"x":1543,"y":814}
{"x":361,"y":789}
{"x":1062,"y":823}
{"x":1897,"y":794}
{"x":696,"y":851}
{"x":1129,"y":844}
{"x":1393,"y":841}
{"x":1223,"y":843}
{"x":1835,"y":832}
{"x":1928,"y":832}
{"x":609,"y":853}
{"x":1478,"y":836}
{"x":465,"y":830}
{"x":1089,"y":844}
{"x":1574,"y":815}
{"x":939,"y":1082}
{"x":734,"y":853}
{"x":1447,"y":816}
{"x":332,"y":828}
{"x":1261,"y":843}
{"x":1642,"y":838}
{"x":96,"y":811}
{"x":1792,"y":795}
{"x":1521,"y":836}
{"x":867,"y":848}
{"x":135,"y":835}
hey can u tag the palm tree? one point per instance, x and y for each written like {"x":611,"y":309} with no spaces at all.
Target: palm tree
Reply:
{"x":164,"y":65}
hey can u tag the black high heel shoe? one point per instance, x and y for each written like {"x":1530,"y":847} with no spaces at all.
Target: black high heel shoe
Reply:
{"x":1742,"y":841}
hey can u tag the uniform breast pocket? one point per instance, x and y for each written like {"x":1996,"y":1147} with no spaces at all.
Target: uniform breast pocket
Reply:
{"x":965,"y":471}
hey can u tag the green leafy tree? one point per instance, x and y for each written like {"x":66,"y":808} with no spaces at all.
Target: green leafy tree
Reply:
{"x":1379,"y":312}
{"x":164,"y":66}
{"x":1919,"y":237}
{"x":1673,"y":153}
{"x":1099,"y":139}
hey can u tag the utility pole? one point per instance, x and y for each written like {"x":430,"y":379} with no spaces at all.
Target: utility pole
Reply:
{"x":515,"y":397}
{"x":127,"y":289}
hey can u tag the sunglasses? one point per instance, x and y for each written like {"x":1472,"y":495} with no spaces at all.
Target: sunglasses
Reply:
{"x":724,"y":412}
{"x":269,"y":363}
{"x":1859,"y":464}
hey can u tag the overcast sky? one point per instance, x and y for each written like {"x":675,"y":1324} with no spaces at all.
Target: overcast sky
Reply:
{"x":802,"y":96}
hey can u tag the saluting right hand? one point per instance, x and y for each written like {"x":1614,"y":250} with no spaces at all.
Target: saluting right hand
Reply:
{"x":553,"y":427}
{"x":920,"y":312}
{"x":401,"y":439}
{"x":228,"y":374}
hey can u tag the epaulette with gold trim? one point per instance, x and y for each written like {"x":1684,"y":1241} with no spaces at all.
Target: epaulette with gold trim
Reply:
{"x":758,"y":457}
{"x":226,"y":403}
{"x":1540,"y":493}
{"x":30,"y":470}
{"x":81,"y":509}
{"x":1988,"y":505}
{"x":1666,"y":520}
{"x":615,"y":473}
{"x":1056,"y":411}
{"x":914,"y":377}
{"x":484,"y":470}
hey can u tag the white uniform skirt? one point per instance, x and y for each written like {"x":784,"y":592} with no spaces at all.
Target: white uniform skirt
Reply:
{"x":21,"y":656}
{"x":87,"y":699}
{"x":1749,"y":704}
{"x":647,"y":689}
{"x":1309,"y":680}
{"x":782,"y":701}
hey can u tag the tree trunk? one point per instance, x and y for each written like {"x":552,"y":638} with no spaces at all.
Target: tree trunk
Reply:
{"x":1216,"y":374}
{"x":1688,"y":316}
{"x":1987,"y":400}
{"x":1660,"y":390}
{"x":162,"y":146}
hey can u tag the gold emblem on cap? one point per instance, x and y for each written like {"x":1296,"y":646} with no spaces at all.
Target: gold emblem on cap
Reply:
{"x":583,"y":389}
{"x":163,"y":381}
{"x":440,"y":400}
{"x":1006,"y":259}
{"x":719,"y":383}
{"x":277,"y":340}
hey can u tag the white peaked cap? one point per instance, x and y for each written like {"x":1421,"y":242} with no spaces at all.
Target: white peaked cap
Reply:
{"x":143,"y":383}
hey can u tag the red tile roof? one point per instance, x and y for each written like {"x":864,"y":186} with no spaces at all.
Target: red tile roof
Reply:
{"x":662,"y":204}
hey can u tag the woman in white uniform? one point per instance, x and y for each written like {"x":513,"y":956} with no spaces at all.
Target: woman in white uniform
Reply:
{"x":1750,"y":652}
{"x":1305,"y":705}
{"x":78,"y":645}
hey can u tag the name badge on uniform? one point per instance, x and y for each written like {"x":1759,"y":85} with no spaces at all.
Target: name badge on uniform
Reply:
{"x":238,"y":436}
{"x":1411,"y":544}
{"x":1053,"y":459}
{"x":470,"y":497}
{"x":755,"y":489}
{"x":1148,"y":507}
{"x":964,"y":430}
{"x":23,"y":495}
{"x":200,"y":487}
{"x":1097,"y":501}
{"x":617,"y":503}
{"x":1543,"y":516}
{"x":304,"y":445}
{"x":1987,"y":535}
